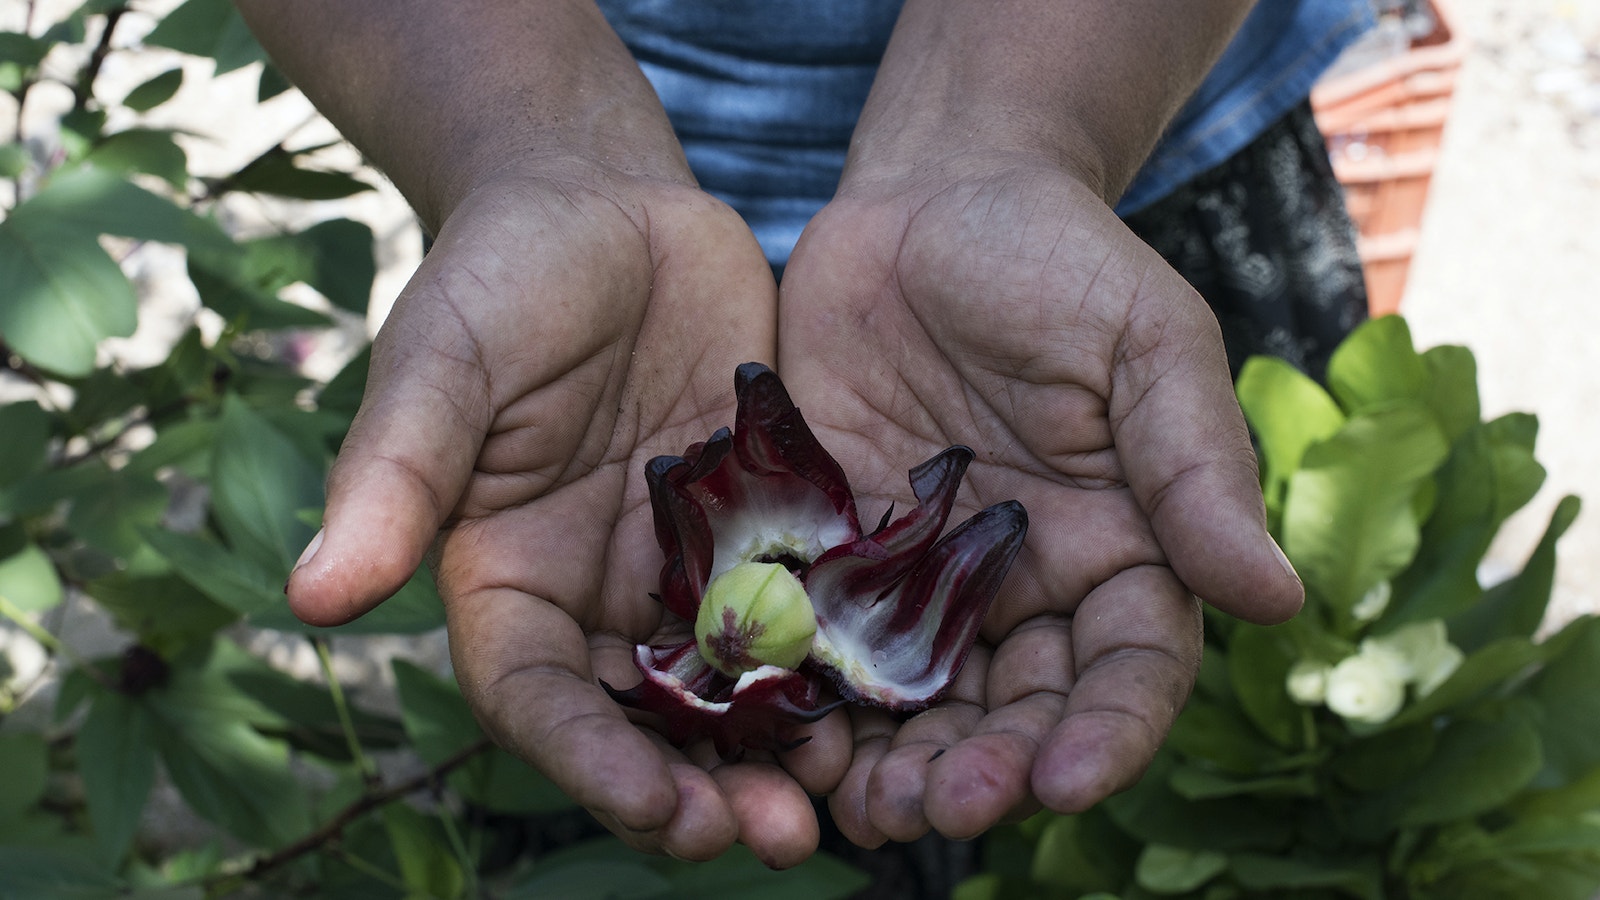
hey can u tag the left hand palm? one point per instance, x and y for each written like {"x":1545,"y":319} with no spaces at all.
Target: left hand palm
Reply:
{"x":1012,"y":312}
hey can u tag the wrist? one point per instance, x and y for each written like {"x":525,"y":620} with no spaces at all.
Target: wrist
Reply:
{"x":1076,"y":85}
{"x":445,"y":98}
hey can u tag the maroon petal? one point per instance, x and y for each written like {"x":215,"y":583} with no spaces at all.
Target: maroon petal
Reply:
{"x":882,"y":558}
{"x":693,"y":700}
{"x":901,"y":647}
{"x":682,"y":530}
{"x":772,"y":438}
{"x":767,"y":491}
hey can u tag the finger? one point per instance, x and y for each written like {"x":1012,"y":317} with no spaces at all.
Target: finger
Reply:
{"x":820,"y":764}
{"x":897,"y":790}
{"x":1136,"y":644}
{"x":702,"y":827}
{"x":404,"y":462}
{"x":986,"y":778}
{"x":776,"y":819}
{"x":874,"y":730}
{"x":1187,"y":455}
{"x":523,"y":666}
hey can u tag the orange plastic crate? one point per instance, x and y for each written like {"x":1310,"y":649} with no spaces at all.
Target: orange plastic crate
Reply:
{"x":1384,"y":124}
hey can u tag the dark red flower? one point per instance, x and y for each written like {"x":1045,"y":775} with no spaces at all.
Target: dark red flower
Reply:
{"x":897,"y":610}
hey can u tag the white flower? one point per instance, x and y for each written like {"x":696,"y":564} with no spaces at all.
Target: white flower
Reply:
{"x":1308,"y":682}
{"x":1425,"y":649}
{"x":1367,"y":687}
{"x":1373,"y":602}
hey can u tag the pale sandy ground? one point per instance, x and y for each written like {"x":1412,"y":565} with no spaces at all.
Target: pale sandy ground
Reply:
{"x":1510,"y":249}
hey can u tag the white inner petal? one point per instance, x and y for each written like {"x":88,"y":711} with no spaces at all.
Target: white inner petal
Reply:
{"x":767,"y":529}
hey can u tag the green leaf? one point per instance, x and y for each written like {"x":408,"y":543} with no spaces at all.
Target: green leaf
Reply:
{"x":1081,"y":854}
{"x":165,"y":611}
{"x":440,"y":725}
{"x":20,"y":55}
{"x":154,"y":91}
{"x":1153,"y":813}
{"x":210,"y":28}
{"x":1491,"y":473}
{"x":243,"y":283}
{"x":307,"y":717}
{"x":1223,"y":738}
{"x":27,"y":429}
{"x":595,"y":870}
{"x":14,"y":157}
{"x":1259,"y":659}
{"x":64,"y":293}
{"x":341,"y":262}
{"x":1480,"y":764}
{"x":1381,"y":761}
{"x":343,"y":393}
{"x":1480,"y":673}
{"x":184,"y":445}
{"x":1376,"y":366}
{"x":39,"y":493}
{"x":1516,"y":606}
{"x":90,"y":201}
{"x":271,"y":82}
{"x":276,"y":173}
{"x":256,"y":591}
{"x":228,"y":578}
{"x":427,"y":866}
{"x":1567,"y":691}
{"x":1194,"y":783}
{"x":1288,"y":413}
{"x":117,"y":759}
{"x":259,"y":480}
{"x":24,"y":760}
{"x":738,"y":873}
{"x":227,"y":771}
{"x":103,"y":396}
{"x":28,"y":580}
{"x":1566,"y":800}
{"x":1349,"y":521}
{"x":144,"y":150}
{"x":1452,"y":391}
{"x":112,"y":517}
{"x":1175,"y":870}
{"x":59,"y":873}
{"x":1282,"y":876}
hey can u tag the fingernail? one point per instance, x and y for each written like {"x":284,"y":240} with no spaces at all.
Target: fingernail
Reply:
{"x":1283,"y":559}
{"x":311,"y":550}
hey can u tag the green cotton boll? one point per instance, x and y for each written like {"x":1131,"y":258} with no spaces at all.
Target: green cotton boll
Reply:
{"x":755,"y":614}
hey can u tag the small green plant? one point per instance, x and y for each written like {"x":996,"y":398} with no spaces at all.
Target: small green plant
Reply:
{"x":1407,"y":736}
{"x":172,"y":498}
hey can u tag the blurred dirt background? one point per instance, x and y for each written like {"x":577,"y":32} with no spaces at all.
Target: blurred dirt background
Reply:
{"x":1510,"y":250}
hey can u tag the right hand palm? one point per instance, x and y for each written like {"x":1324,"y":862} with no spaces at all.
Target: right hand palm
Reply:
{"x":556,"y":337}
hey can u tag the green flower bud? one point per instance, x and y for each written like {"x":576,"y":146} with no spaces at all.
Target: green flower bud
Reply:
{"x":752,"y":615}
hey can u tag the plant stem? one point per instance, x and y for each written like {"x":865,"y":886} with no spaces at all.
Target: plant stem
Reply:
{"x":334,"y":827}
{"x":369,"y":772}
{"x":49,"y":641}
{"x":83,"y":91}
{"x":453,"y":834}
{"x":371,"y":870}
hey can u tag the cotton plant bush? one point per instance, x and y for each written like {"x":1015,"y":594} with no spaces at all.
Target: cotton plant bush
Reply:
{"x":171,"y":499}
{"x":1412,"y":734}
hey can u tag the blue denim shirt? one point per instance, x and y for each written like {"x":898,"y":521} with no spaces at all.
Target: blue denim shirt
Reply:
{"x":764,"y":96}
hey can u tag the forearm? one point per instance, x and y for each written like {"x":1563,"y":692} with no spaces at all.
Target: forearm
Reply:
{"x":1084,"y":84}
{"x":442,"y":95}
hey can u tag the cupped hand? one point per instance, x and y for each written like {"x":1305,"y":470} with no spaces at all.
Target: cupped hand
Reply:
{"x":560,"y":332}
{"x":1009,"y":310}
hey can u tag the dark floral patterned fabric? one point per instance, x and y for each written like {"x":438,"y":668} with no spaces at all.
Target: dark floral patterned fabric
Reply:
{"x":1266,"y":240}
